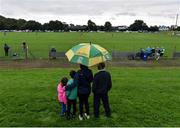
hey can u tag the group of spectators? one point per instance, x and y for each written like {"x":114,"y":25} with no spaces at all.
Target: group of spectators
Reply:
{"x":155,"y":53}
{"x":79,"y":86}
{"x":24,"y":48}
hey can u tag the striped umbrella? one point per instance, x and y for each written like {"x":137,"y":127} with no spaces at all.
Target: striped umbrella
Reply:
{"x":88,"y":54}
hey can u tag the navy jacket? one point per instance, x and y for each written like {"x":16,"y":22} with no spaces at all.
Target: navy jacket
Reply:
{"x":82,"y":80}
{"x":102,"y":82}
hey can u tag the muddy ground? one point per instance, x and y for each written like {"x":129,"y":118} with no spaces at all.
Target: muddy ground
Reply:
{"x":62,"y":63}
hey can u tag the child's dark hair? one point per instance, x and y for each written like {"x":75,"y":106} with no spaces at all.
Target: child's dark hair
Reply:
{"x":72,"y":73}
{"x":64,"y":81}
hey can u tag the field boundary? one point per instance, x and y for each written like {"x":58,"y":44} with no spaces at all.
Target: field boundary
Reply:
{"x":63,"y":63}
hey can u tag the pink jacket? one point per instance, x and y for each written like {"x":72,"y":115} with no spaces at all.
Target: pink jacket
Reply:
{"x":61,"y":94}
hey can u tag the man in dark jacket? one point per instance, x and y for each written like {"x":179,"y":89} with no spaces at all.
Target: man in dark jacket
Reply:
{"x":101,"y":85}
{"x":6,"y":49}
{"x":82,"y":80}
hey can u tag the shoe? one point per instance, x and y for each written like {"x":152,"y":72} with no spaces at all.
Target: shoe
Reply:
{"x":80,"y":118}
{"x":96,"y":116}
{"x":108,"y":116}
{"x":86,"y":116}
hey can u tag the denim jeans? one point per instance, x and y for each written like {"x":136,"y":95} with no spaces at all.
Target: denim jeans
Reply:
{"x":63,"y":108}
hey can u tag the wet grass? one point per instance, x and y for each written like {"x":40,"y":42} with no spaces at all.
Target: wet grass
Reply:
{"x":40,"y":43}
{"x":139,"y":97}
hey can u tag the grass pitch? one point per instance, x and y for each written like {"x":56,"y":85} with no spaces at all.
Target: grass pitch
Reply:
{"x":40,"y":43}
{"x":139,"y":97}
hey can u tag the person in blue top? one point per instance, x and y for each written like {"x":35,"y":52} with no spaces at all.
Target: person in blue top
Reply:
{"x":71,"y":94}
{"x":142,"y":52}
{"x":148,"y":51}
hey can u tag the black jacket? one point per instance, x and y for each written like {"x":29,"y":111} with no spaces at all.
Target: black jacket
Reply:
{"x":82,"y":80}
{"x":102,"y":82}
{"x":6,"y":48}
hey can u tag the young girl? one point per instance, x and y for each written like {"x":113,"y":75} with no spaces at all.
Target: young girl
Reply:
{"x":71,"y":93}
{"x":62,"y":95}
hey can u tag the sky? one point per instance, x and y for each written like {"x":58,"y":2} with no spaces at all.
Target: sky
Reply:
{"x":118,"y":12}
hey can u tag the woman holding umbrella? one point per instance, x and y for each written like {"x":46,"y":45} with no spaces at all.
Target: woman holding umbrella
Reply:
{"x":82,"y":80}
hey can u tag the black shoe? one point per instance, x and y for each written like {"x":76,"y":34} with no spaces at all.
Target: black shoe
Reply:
{"x":96,"y":116}
{"x":108,"y":116}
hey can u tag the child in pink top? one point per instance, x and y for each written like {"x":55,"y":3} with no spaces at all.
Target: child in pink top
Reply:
{"x":62,"y":94}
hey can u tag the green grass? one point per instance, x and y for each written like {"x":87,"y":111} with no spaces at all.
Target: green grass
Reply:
{"x":40,"y":43}
{"x":139,"y":97}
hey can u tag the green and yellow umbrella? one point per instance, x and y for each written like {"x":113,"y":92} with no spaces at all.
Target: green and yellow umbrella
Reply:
{"x":88,"y":54}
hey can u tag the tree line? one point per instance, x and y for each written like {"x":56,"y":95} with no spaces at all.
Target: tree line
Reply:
{"x":21,"y":24}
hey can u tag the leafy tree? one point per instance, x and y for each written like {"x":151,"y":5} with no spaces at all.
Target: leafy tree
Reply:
{"x":178,"y":28}
{"x":91,"y":26}
{"x":55,"y":25}
{"x":154,"y":29}
{"x":21,"y":24}
{"x":2,"y":17}
{"x":65,"y":27}
{"x":33,"y":25}
{"x":2,"y":23}
{"x":100,"y":28}
{"x":138,"y":25}
{"x":2,"y":26}
{"x":107,"y":26}
{"x":10,"y":24}
{"x":45,"y":26}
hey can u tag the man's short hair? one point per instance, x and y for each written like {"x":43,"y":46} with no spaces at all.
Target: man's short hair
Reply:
{"x":83,"y":66}
{"x":101,"y":66}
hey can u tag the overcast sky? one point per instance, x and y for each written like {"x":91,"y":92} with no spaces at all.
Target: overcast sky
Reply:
{"x":118,"y":12}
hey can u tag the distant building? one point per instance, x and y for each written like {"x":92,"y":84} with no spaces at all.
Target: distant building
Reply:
{"x":77,"y":28}
{"x":164,"y":28}
{"x":120,"y":28}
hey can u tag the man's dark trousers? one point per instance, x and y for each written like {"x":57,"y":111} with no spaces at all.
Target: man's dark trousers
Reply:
{"x":105,"y":101}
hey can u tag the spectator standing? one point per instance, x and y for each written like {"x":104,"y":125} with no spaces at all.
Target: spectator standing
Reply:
{"x":25,"y":49}
{"x":71,"y":94}
{"x":6,"y":49}
{"x":101,"y":86}
{"x":82,"y":80}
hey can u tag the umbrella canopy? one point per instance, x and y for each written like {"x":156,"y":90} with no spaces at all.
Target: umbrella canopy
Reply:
{"x":88,"y":54}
